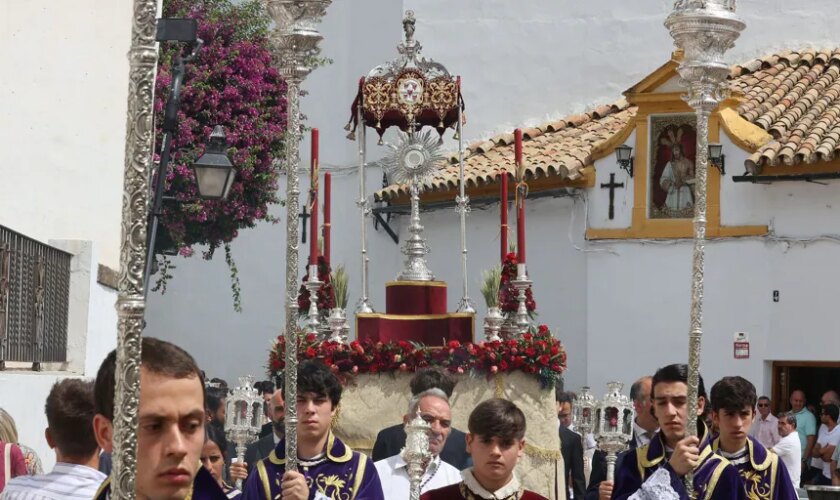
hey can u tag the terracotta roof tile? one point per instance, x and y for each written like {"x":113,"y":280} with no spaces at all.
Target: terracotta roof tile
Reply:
{"x":557,"y":148}
{"x":795,"y":97}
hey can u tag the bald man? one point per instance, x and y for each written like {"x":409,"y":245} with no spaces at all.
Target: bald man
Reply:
{"x":806,"y":426}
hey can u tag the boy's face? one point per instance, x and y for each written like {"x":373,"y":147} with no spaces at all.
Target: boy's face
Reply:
{"x":170,"y":435}
{"x":315,"y":413}
{"x":670,"y":407}
{"x":494,"y":459}
{"x":734,"y":426}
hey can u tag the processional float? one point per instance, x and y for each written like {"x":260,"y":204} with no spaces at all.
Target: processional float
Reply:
{"x":422,"y":100}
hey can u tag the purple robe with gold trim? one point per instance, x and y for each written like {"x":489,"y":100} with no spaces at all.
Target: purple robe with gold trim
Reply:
{"x":343,"y":474}
{"x":204,"y":487}
{"x":714,"y":479}
{"x":459,"y":491}
{"x":765,"y":477}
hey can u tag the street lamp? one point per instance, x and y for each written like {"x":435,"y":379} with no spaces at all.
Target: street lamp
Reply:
{"x":214,"y":172}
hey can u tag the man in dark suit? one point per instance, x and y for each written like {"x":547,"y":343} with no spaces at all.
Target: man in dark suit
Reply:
{"x":391,"y":440}
{"x":570,"y":445}
{"x":644,"y":427}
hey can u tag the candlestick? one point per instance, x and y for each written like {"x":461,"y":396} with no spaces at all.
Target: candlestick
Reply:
{"x":327,"y":215}
{"x":504,"y":214}
{"x":313,"y":197}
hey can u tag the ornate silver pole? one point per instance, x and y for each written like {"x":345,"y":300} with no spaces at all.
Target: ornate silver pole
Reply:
{"x":295,"y":45}
{"x":416,"y":453}
{"x":313,"y":285}
{"x":364,"y":304}
{"x":704,"y":30}
{"x":131,"y":305}
{"x":463,"y":208}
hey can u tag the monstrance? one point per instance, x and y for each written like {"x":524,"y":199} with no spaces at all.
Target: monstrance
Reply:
{"x":415,"y":158}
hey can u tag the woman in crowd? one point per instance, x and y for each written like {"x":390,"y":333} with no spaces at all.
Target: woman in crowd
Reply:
{"x":213,"y":457}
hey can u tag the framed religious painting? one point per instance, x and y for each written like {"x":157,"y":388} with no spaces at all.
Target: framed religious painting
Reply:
{"x":673,"y":144}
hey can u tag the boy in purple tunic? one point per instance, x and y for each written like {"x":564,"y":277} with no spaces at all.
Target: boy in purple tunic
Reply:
{"x":328,"y":469}
{"x":733,"y":409}
{"x":657,"y":471}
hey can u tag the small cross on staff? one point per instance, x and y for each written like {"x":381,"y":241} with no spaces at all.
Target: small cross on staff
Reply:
{"x":611,"y":186}
{"x":304,"y":216}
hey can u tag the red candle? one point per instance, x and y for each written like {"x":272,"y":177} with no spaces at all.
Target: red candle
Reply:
{"x":504,"y":206}
{"x":313,"y":222}
{"x":520,"y":226}
{"x":520,"y":197}
{"x":327,"y":214}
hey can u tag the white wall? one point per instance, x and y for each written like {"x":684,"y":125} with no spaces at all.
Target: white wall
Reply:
{"x":64,"y":103}
{"x":521,"y":64}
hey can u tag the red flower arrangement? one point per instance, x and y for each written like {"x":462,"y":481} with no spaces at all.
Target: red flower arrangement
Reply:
{"x":326,"y":297}
{"x":537,"y":352}
{"x":508,"y":301}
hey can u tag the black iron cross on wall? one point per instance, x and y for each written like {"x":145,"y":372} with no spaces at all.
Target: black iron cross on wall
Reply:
{"x":611,"y":186}
{"x":304,"y":216}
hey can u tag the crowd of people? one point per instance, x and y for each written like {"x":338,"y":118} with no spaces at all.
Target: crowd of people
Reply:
{"x":742,"y":451}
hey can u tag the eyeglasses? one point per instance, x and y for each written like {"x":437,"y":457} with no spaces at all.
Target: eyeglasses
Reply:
{"x":763,"y":405}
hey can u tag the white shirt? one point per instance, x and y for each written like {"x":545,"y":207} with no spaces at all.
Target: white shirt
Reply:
{"x":393,"y":474}
{"x":66,"y":481}
{"x":642,"y":436}
{"x":590,"y":438}
{"x":766,"y":431}
{"x":789,"y":450}
{"x":827,"y":438}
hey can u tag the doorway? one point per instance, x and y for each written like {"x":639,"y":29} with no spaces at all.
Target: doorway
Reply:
{"x":812,"y":377}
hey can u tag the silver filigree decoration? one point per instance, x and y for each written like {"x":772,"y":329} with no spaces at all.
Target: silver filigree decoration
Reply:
{"x":243,"y":408}
{"x":416,"y":453}
{"x":704,"y":30}
{"x":614,"y":418}
{"x":294,"y":44}
{"x":409,"y":50}
{"x":131,"y":306}
{"x":416,"y":157}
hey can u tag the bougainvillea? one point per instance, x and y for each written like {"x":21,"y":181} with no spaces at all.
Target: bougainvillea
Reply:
{"x":232,"y":83}
{"x":508,"y":296}
{"x":537,"y":352}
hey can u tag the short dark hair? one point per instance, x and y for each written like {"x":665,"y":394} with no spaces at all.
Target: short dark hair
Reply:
{"x":832,"y":411}
{"x":431,"y":378}
{"x":213,"y":398}
{"x":763,"y":397}
{"x":733,"y":394}
{"x":564,"y":397}
{"x":678,"y":372}
{"x":217,"y":435}
{"x":158,"y":356}
{"x":499,"y":418}
{"x":70,"y":412}
{"x":264,"y":386}
{"x":314,"y":376}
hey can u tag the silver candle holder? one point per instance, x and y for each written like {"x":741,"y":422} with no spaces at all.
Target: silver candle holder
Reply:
{"x":493,"y":324}
{"x":244,"y":409}
{"x":313,"y":285}
{"x":338,"y":327}
{"x":521,"y":284}
{"x":614,"y":416}
{"x":416,"y":453}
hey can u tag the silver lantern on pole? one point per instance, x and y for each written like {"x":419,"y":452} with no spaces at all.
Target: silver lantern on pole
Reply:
{"x":244,"y":410}
{"x":704,"y":30}
{"x":583,"y":413}
{"x":416,"y":453}
{"x":131,"y":304}
{"x":294,"y":44}
{"x":614,"y":418}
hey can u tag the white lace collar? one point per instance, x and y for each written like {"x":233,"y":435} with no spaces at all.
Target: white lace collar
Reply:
{"x":505,"y":491}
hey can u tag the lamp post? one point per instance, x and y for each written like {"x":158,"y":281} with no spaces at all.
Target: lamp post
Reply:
{"x":704,"y":30}
{"x":294,"y":45}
